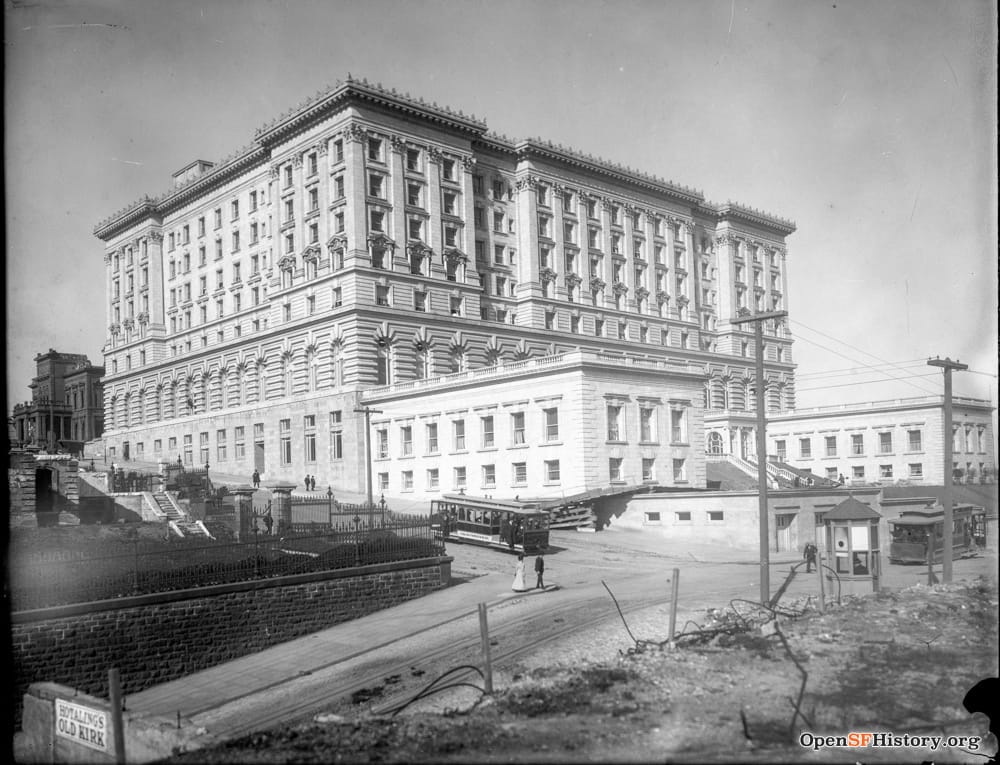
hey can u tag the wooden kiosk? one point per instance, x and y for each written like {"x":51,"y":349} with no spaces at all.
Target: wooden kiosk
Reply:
{"x":852,"y":548}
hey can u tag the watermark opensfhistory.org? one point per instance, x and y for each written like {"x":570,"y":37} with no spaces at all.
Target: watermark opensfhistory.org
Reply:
{"x":876,"y":740}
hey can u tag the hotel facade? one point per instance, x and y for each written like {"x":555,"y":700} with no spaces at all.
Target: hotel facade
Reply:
{"x":516,"y":317}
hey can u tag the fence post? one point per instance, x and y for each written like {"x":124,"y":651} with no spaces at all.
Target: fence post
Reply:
{"x":484,"y":635}
{"x":675,"y":586}
{"x":115,"y":687}
{"x":822,"y":585}
{"x":135,"y":565}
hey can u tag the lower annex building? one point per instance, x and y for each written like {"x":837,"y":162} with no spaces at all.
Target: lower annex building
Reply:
{"x":528,"y":319}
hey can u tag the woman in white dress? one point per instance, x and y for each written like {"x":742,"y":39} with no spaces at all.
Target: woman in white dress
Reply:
{"x":518,"y":585}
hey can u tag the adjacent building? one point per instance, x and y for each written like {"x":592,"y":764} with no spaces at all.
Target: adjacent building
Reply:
{"x":369,"y":250}
{"x":897,"y":441}
{"x":66,"y":406}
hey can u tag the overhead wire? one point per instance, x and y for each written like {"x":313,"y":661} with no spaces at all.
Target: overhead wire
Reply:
{"x":838,"y":353}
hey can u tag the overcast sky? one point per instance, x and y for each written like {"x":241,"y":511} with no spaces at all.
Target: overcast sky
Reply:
{"x":870,"y":124}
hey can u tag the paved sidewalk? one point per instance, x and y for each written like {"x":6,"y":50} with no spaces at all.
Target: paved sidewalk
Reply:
{"x":217,"y":686}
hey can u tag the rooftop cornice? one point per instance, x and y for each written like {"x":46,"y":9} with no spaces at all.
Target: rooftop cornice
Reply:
{"x":622,"y":173}
{"x":739,"y":212}
{"x":321,"y":104}
{"x":165,"y":203}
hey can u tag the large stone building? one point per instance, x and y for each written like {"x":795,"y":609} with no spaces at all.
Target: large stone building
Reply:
{"x":366,"y":243}
{"x":67,"y":403}
{"x":887,"y":442}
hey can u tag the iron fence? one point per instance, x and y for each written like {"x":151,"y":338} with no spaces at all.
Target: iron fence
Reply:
{"x":149,"y":566}
{"x":133,"y":481}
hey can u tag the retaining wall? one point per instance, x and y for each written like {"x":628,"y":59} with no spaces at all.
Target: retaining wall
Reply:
{"x":153,"y":639}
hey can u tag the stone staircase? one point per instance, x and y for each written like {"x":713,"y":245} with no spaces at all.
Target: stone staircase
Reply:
{"x":178,"y":521}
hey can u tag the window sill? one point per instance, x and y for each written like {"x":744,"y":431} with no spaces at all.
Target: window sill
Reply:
{"x":487,"y":449}
{"x":518,"y":446}
{"x":680,"y":443}
{"x":551,"y":443}
{"x":616,"y":442}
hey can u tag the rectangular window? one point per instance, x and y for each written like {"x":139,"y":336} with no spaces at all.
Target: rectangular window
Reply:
{"x":916,"y":470}
{"x":615,"y":468}
{"x":648,"y":472}
{"x":914,"y":440}
{"x":486,"y":428}
{"x":885,"y":471}
{"x":831,"y":445}
{"x":406,"y":440}
{"x":220,"y":446}
{"x":857,"y":445}
{"x":615,"y":429}
{"x":680,"y":470}
{"x":309,"y":426}
{"x":432,"y":438}
{"x":857,"y":472}
{"x":382,"y":443}
{"x":552,"y":471}
{"x":551,"y":424}
{"x":458,"y":432}
{"x":678,"y":426}
{"x":383,"y":482}
{"x":647,"y":424}
{"x":285,"y":441}
{"x":460,"y":480}
{"x":433,"y":480}
{"x":381,"y":295}
{"x":682,"y":516}
{"x":406,"y":480}
{"x":517,"y":427}
{"x":885,"y":443}
{"x":489,"y":476}
{"x":519,"y":473}
{"x":336,"y":436}
{"x":420,"y":301}
{"x":805,"y":447}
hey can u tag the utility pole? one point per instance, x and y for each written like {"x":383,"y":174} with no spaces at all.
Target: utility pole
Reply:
{"x":949,"y":519}
{"x":746,"y":317}
{"x":368,"y":412}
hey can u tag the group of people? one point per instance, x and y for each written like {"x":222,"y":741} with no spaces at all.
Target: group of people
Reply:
{"x":310,"y":483}
{"x":519,"y":584}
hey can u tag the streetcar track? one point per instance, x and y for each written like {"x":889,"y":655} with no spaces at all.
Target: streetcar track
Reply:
{"x":322,"y":696}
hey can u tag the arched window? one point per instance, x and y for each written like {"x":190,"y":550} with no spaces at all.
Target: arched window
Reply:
{"x":287,"y":376}
{"x":261,"y":382}
{"x":715,"y":443}
{"x":423,"y":361}
{"x":383,"y":364}
{"x":336,"y":365}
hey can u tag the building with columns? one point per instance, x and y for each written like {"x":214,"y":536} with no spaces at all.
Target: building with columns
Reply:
{"x":367,"y":240}
{"x":67,"y":402}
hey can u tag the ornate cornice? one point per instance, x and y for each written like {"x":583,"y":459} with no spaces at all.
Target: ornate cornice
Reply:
{"x":287,"y":263}
{"x":546,"y":274}
{"x":641,"y":293}
{"x":453,"y":256}
{"x":336,"y":241}
{"x":312,"y":252}
{"x":597,"y":284}
{"x":381,"y":240}
{"x":418,"y":248}
{"x":397,"y":144}
{"x":574,"y":280}
{"x":662,"y":296}
{"x":468,"y":162}
{"x":155,"y":236}
{"x":619,"y":288}
{"x":355,"y":132}
{"x":527,"y":183}
{"x":143,"y":317}
{"x":434,"y":155}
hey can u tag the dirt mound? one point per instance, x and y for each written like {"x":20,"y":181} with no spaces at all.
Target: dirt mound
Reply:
{"x":898,"y":661}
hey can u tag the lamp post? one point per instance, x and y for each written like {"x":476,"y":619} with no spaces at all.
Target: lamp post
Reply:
{"x":368,"y":412}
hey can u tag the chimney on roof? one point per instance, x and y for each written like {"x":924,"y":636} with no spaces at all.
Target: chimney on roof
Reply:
{"x":189,"y":172}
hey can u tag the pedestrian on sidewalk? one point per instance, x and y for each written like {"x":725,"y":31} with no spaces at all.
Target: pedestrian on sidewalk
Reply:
{"x":809,"y":553}
{"x":268,"y":522}
{"x":312,"y":483}
{"x":518,"y":585}
{"x":539,"y":572}
{"x":256,"y":479}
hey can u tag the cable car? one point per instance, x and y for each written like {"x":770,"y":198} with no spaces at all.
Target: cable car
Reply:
{"x":502,"y":524}
{"x":914,"y":529}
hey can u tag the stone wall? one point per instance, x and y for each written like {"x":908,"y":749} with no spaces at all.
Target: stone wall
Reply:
{"x":157,"y":638}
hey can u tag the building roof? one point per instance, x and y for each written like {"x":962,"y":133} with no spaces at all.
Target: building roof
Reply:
{"x":851,"y":510}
